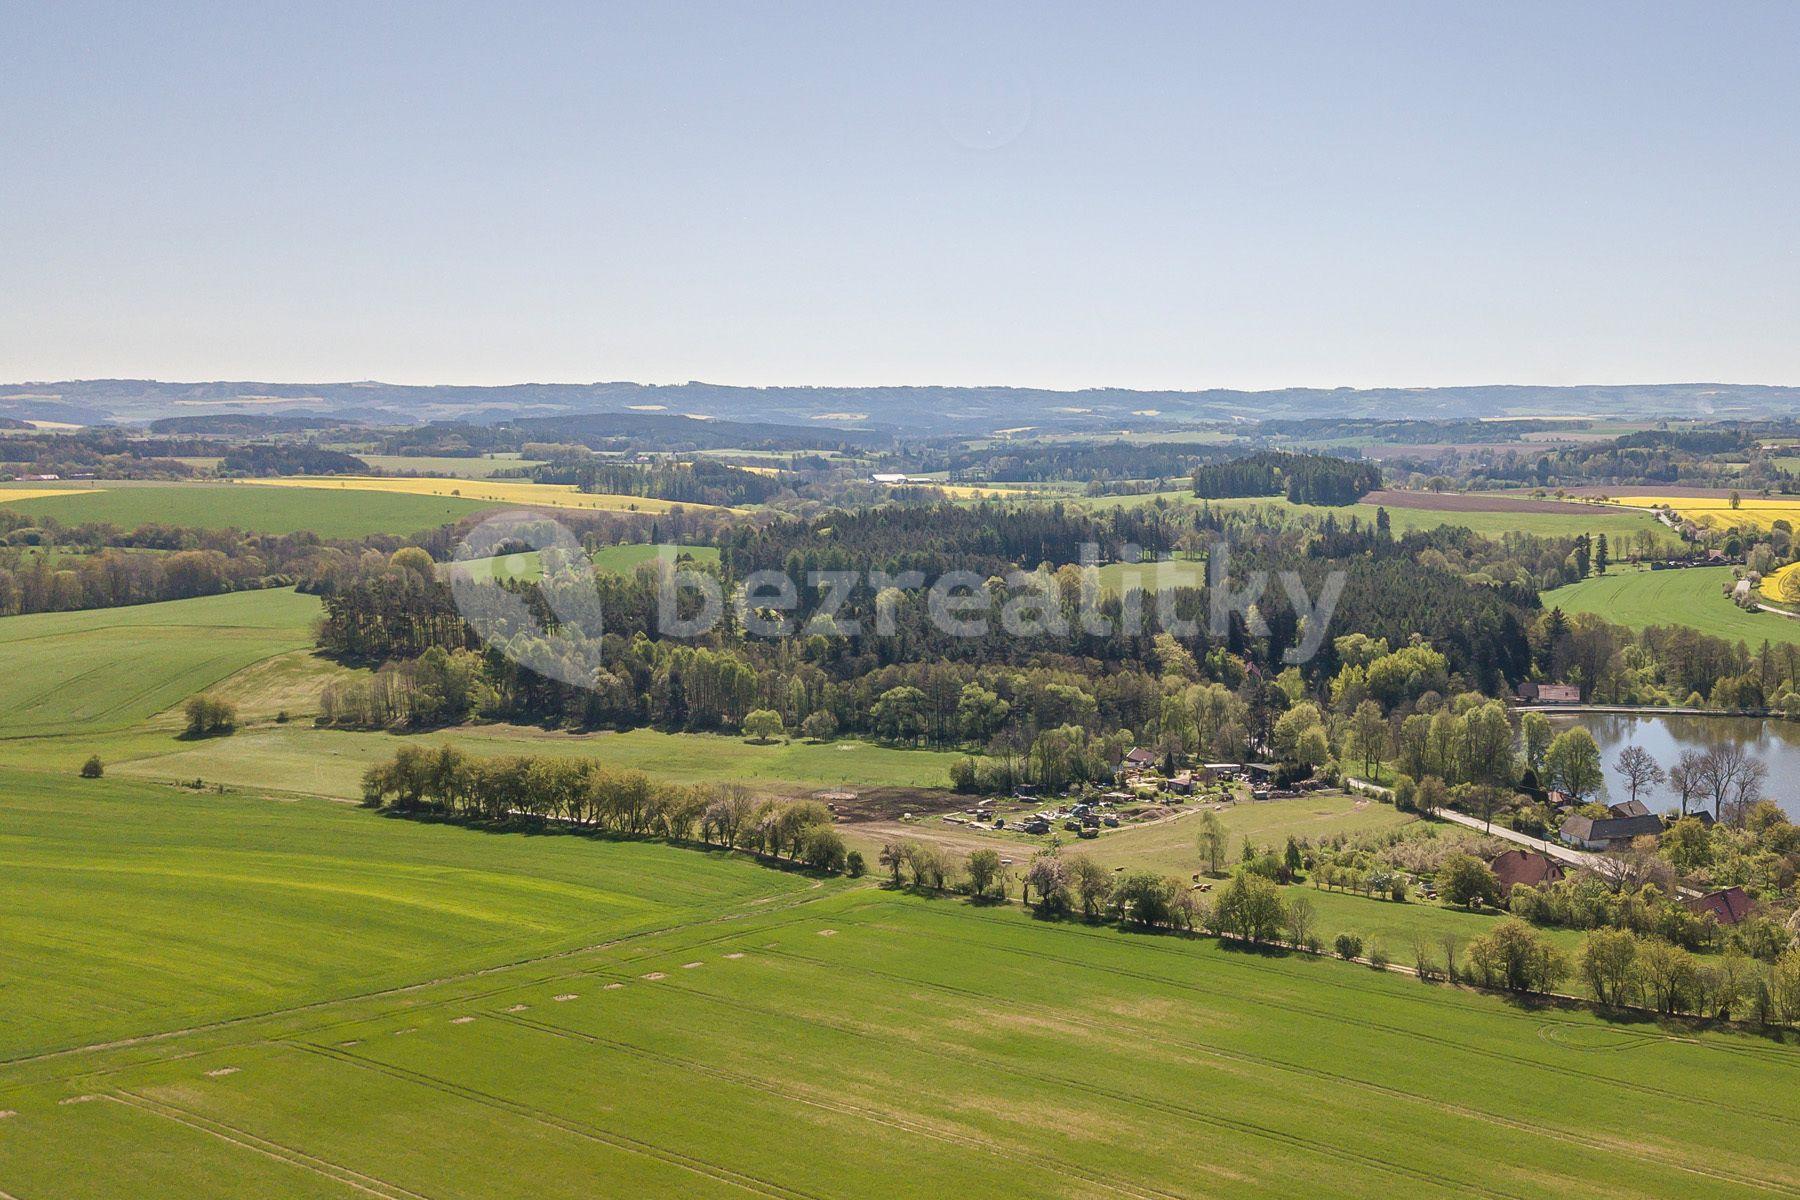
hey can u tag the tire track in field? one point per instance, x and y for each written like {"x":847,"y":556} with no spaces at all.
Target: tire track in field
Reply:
{"x":618,"y":1141}
{"x":851,"y":1108}
{"x":1291,"y":1141}
{"x":1341,"y":1018}
{"x":1773,"y":1051}
{"x":245,"y":1140}
{"x":141,"y":1039}
{"x":1759,"y":1053}
{"x":1512,"y":1124}
{"x":463,"y":999}
{"x":1366,"y":1023}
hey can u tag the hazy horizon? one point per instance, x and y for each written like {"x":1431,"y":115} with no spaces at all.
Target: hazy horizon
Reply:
{"x":1060,"y":197}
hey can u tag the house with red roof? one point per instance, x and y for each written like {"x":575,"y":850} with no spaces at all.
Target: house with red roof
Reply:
{"x":1514,"y":867}
{"x":1728,"y":906}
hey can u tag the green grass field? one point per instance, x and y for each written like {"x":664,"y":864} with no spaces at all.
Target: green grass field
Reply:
{"x":1692,"y":596}
{"x":328,"y":762}
{"x":244,"y":506}
{"x":109,"y":669}
{"x":213,"y":998}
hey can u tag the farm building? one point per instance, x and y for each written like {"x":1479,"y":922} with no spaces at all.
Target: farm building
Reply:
{"x":1728,"y":906}
{"x":1139,"y":758}
{"x":1514,"y":867}
{"x":1629,"y":808}
{"x":1549,"y":693}
{"x":1589,"y":833}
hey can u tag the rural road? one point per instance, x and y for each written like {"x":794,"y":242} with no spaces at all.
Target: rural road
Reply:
{"x":1579,"y":858}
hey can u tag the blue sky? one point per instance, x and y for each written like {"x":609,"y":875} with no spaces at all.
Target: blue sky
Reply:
{"x":1053,"y":195}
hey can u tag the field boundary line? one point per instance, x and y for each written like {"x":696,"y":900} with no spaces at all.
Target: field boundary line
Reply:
{"x":246,"y":1140}
{"x":1167,"y":1108}
{"x":1341,"y":1018}
{"x":1516,"y":1125}
{"x":618,"y":1141}
{"x":1773,"y":1052}
{"x":845,"y":1107}
{"x":403,"y":989}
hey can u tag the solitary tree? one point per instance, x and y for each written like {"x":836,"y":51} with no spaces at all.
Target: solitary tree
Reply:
{"x":1093,"y":884}
{"x":1573,"y":763}
{"x":1212,"y":841}
{"x":1638,"y":768}
{"x":1688,"y":778}
{"x":93,"y":768}
{"x":985,"y":870}
{"x":763,"y":725}
{"x":1369,"y":735}
{"x":1466,"y":880}
{"x":1535,"y":733}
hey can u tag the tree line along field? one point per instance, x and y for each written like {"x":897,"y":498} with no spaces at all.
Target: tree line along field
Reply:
{"x":1692,"y":596}
{"x":1621,"y":526}
{"x":238,"y":998}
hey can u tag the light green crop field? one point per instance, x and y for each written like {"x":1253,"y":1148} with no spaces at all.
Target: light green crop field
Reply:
{"x":108,"y":669}
{"x":215,"y":998}
{"x":1691,"y":596}
{"x":128,"y":906}
{"x":463,"y":468}
{"x":303,"y":760}
{"x":246,"y":506}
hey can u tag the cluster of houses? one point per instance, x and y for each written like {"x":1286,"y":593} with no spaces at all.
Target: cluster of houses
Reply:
{"x":1511,"y":868}
{"x":1713,"y":557}
{"x":1140,"y":773}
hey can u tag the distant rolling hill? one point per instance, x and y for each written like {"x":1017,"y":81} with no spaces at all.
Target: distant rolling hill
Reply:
{"x":916,"y":410}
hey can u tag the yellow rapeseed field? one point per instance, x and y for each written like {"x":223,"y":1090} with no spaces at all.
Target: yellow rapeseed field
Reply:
{"x":1753,"y":512}
{"x":497,"y":491}
{"x":1771,"y":583}
{"x":12,"y":493}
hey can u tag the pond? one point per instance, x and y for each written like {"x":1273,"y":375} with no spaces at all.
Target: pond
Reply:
{"x":1775,"y":742}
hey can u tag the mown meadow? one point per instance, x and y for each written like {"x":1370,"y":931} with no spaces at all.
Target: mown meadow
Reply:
{"x":1693,"y":596}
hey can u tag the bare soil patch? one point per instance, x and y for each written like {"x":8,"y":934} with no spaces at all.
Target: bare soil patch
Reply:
{"x":855,"y":807}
